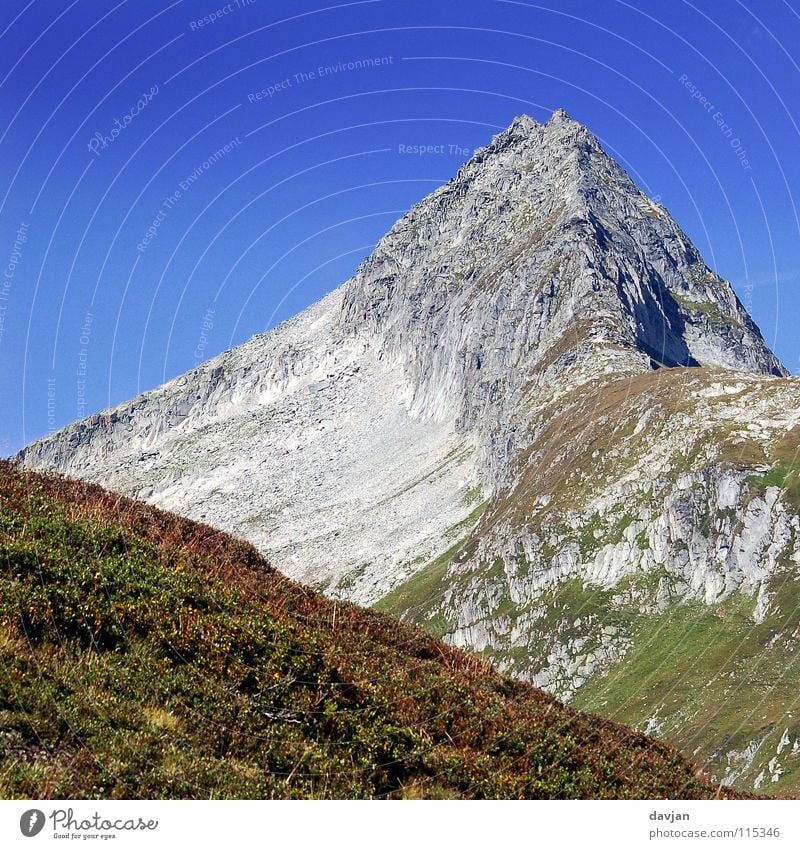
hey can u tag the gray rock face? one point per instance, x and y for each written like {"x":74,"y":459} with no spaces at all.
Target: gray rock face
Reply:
{"x":300,"y":441}
{"x":539,"y":266}
{"x":670,"y":503}
{"x":540,"y":253}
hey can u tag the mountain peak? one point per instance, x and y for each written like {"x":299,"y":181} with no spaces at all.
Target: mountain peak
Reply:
{"x":523,"y":124}
{"x":526,"y":133}
{"x":543,"y":214}
{"x":560,"y":116}
{"x":539,"y":268}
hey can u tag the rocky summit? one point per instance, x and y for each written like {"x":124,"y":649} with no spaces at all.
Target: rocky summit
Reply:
{"x":535,"y":422}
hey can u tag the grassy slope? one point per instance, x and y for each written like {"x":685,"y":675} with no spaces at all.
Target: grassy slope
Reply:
{"x":144,"y":655}
{"x":715,"y":682}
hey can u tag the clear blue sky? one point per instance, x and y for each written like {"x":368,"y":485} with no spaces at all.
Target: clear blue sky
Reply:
{"x":178,"y":177}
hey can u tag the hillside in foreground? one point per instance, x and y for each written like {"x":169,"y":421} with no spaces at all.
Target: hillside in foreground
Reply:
{"x":145,"y":655}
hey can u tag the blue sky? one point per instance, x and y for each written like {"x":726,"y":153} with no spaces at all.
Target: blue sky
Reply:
{"x":177,"y":177}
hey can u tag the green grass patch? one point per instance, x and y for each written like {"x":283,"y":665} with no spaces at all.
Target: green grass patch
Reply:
{"x":715,"y":679}
{"x":785,"y":475}
{"x":414,"y":598}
